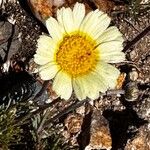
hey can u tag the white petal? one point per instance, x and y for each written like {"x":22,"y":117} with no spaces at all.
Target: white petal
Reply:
{"x":54,"y":29}
{"x":110,"y":46}
{"x":48,"y":71}
{"x":91,"y":86}
{"x":112,"y":33}
{"x":95,"y":23}
{"x":62,"y":85}
{"x":88,"y":86}
{"x":102,"y":86}
{"x":60,"y":16}
{"x":41,"y":60}
{"x":88,"y":20}
{"x":78,"y":14}
{"x":114,"y":57}
{"x":68,"y":21}
{"x":111,"y":51}
{"x":108,"y":73}
{"x":78,"y":89}
{"x":46,"y":47}
{"x":101,"y":26}
{"x":44,"y":42}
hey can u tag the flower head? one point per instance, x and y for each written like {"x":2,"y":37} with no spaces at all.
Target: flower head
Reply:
{"x":77,"y":53}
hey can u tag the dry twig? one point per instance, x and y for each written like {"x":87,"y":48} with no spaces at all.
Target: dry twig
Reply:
{"x":136,"y":39}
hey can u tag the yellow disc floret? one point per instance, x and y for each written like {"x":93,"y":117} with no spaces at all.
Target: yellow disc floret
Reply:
{"x":77,"y":55}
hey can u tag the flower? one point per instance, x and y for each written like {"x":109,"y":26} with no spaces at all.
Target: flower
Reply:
{"x":77,"y":53}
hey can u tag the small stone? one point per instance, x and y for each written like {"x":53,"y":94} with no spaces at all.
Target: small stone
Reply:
{"x":58,"y":3}
{"x":100,"y":137}
{"x":131,"y":91}
{"x":142,"y":108}
{"x":81,"y":110}
{"x":136,"y":144}
{"x":42,"y":9}
{"x":140,"y":142}
{"x":133,"y":55}
{"x":133,"y":74}
{"x":66,"y":135}
{"x":104,"y":5}
{"x":73,"y":123}
{"x":6,"y":29}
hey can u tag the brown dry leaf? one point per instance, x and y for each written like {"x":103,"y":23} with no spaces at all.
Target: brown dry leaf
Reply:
{"x":42,"y":9}
{"x":120,"y":80}
{"x":73,"y":123}
{"x":104,"y":5}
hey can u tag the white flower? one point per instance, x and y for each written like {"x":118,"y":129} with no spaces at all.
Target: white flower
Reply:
{"x":77,"y":53}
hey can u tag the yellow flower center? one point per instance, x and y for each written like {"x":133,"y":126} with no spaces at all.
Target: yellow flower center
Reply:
{"x":77,"y":55}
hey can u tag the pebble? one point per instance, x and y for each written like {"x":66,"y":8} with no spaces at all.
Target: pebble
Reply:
{"x":100,"y":137}
{"x":42,"y":9}
{"x":140,"y":142}
{"x":131,"y":91}
{"x":133,"y":74}
{"x":73,"y":123}
{"x":133,"y":55}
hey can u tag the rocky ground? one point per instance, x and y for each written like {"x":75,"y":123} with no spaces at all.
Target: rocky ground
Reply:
{"x":118,"y":120}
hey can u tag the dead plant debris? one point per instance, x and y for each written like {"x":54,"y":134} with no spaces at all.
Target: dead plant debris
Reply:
{"x":118,"y":120}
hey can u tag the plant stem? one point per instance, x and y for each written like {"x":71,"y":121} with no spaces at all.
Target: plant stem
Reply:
{"x":136,"y":39}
